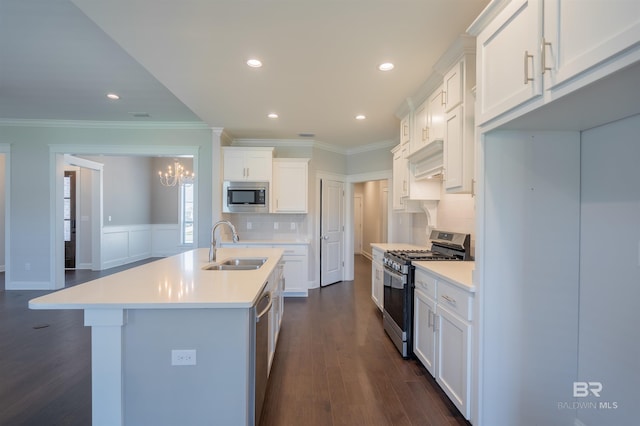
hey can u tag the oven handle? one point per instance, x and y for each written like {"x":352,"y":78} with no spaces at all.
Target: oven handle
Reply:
{"x":397,"y":275}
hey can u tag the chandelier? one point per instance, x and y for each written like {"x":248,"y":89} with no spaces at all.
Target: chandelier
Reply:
{"x":175,"y":175}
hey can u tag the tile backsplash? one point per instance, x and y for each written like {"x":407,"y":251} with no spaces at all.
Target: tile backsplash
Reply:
{"x":268,"y":226}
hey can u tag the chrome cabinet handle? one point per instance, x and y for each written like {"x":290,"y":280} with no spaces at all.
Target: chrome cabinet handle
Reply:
{"x":527,"y":79}
{"x":430,"y":322}
{"x":443,"y":98}
{"x":449,"y":299}
{"x":543,"y":55}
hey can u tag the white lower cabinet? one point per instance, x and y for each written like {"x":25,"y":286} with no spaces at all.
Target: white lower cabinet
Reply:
{"x":442,"y":335}
{"x":295,"y":260}
{"x":377,"y":278}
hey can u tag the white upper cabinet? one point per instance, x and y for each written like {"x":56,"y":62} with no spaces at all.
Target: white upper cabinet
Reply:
{"x":290,"y":185}
{"x":405,"y":129}
{"x":544,"y":49}
{"x":579,"y":34}
{"x":248,"y":164}
{"x":509,"y":64}
{"x":420,"y":137}
{"x":453,"y":87}
{"x":436,"y":116}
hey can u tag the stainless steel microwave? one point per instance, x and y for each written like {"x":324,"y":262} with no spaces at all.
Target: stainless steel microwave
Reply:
{"x":245,"y":197}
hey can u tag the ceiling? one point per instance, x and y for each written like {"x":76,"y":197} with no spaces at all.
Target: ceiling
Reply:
{"x":185,"y":61}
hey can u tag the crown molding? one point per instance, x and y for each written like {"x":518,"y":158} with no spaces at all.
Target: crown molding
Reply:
{"x":486,"y":16}
{"x":305,"y":143}
{"x":87,"y":124}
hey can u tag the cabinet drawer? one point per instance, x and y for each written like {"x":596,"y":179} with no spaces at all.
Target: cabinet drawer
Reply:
{"x":455,"y":300}
{"x":293,"y":250}
{"x":426,"y":283}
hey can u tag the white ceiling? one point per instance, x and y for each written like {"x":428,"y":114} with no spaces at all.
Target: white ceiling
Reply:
{"x":184,"y":61}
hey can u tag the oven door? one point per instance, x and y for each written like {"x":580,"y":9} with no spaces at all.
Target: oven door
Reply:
{"x":395,"y":288}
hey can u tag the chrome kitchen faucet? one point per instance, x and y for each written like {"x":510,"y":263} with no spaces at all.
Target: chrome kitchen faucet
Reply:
{"x":213,"y":248}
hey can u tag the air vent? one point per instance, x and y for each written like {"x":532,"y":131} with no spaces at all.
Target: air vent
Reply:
{"x":140,"y":114}
{"x":306,"y":135}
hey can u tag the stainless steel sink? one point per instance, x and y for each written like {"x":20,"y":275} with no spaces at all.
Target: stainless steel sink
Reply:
{"x":237,"y":264}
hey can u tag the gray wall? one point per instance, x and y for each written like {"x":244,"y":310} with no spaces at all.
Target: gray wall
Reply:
{"x":30,"y":243}
{"x":2,"y":208}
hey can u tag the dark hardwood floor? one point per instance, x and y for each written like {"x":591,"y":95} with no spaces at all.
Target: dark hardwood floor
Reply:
{"x":334,"y":364}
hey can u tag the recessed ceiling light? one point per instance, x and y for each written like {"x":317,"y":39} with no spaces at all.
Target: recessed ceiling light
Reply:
{"x":272,"y":115}
{"x":360,"y":117}
{"x":254,"y":63}
{"x":387,"y":66}
{"x":113,"y":96}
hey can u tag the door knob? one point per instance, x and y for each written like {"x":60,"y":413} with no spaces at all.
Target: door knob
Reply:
{"x":326,"y":237}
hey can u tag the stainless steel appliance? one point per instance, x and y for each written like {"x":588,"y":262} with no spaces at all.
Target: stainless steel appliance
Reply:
{"x":399,"y":283}
{"x":260,"y":365}
{"x":245,"y":197}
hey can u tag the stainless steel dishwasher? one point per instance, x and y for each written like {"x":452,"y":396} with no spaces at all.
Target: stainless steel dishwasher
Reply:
{"x":261,"y":352}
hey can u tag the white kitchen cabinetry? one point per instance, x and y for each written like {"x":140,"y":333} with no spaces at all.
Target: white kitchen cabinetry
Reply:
{"x":507,"y":51}
{"x":377,"y":278}
{"x":275,"y":314}
{"x":442,"y":335}
{"x":535,"y":47}
{"x":453,"y":86}
{"x":581,"y":34}
{"x":405,"y":130}
{"x":420,"y":136}
{"x":407,"y":190}
{"x":459,"y":127}
{"x":424,"y":331}
{"x":248,"y":164}
{"x":290,"y":185}
{"x":453,"y":372}
{"x":295,"y":259}
{"x":435,"y":129}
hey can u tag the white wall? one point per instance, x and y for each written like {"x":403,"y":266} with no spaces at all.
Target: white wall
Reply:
{"x":609,"y":350}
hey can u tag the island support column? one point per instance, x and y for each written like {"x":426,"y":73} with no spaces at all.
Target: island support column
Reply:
{"x":106,"y":365}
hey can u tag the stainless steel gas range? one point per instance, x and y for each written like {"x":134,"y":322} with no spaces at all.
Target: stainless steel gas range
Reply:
{"x":399,"y":283}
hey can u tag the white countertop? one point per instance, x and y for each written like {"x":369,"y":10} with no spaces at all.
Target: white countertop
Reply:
{"x":173,"y":282}
{"x":458,"y":273}
{"x":397,"y":246}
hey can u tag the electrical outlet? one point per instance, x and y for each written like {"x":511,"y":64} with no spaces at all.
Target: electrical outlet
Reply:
{"x":293,"y":226}
{"x":183,"y":357}
{"x":275,"y":225}
{"x":249,"y":225}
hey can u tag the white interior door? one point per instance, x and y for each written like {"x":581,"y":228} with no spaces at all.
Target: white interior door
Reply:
{"x":331,"y":232}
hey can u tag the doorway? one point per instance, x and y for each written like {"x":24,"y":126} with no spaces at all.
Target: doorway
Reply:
{"x":372,"y":198}
{"x":69,"y":201}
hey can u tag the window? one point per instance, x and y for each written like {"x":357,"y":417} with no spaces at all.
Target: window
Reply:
{"x":186,"y":213}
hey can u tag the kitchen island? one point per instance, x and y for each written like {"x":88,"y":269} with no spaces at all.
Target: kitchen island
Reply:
{"x":139,"y":317}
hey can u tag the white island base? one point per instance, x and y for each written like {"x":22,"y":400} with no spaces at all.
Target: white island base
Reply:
{"x":138,"y":317}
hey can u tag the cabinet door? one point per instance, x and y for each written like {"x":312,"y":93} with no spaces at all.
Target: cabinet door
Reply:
{"x":420,"y":137}
{"x":454,"y":149}
{"x":294,"y":273}
{"x":377,"y":284}
{"x":405,"y":129}
{"x":290,"y":186}
{"x":453,"y":368}
{"x":453,"y":86}
{"x":258,"y":165}
{"x":233,"y":165}
{"x":584,"y":33}
{"x":400,"y":182}
{"x":436,"y":116}
{"x":424,"y":335}
{"x":509,"y":64}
